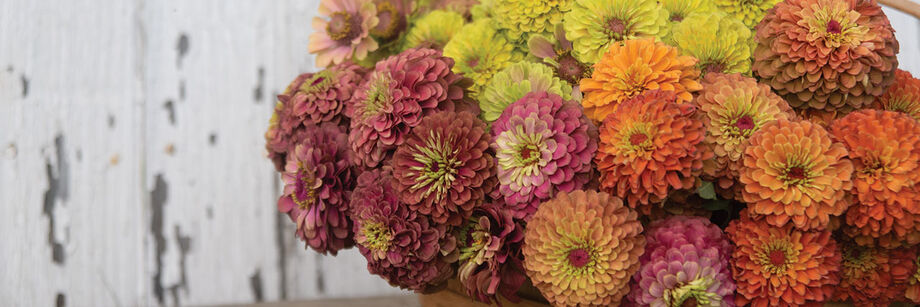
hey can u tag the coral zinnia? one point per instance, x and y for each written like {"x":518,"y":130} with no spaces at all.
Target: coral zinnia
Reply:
{"x":634,"y":67}
{"x":403,"y":89}
{"x":400,"y":244}
{"x":594,"y":26}
{"x":748,"y":11}
{"x":346,"y":32}
{"x":543,"y":144}
{"x":873,"y":276}
{"x":443,"y":168}
{"x":649,"y":147}
{"x":490,"y":254}
{"x":317,"y":178}
{"x":782,"y":266}
{"x":826,"y":54}
{"x":903,"y":95}
{"x":514,"y":82}
{"x":885,"y":149}
{"x":685,"y":264}
{"x":733,"y":107}
{"x":480,"y":52}
{"x":522,"y":17}
{"x":793,"y":173}
{"x":557,"y":53}
{"x":720,"y":42}
{"x":434,"y":30}
{"x":581,"y":248}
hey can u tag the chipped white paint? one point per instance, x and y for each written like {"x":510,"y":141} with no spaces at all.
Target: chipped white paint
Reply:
{"x":86,"y":131}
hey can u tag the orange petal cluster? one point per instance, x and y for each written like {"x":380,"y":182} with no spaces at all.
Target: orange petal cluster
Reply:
{"x":634,"y":67}
{"x":782,"y":266}
{"x":649,"y":147}
{"x":794,"y":173}
{"x":873,"y":276}
{"x":885,"y":149}
{"x":902,"y":96}
{"x":826,"y":54}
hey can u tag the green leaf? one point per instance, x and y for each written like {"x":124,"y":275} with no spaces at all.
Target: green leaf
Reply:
{"x":707,"y":191}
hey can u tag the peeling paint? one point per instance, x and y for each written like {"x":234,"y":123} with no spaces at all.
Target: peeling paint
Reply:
{"x":320,"y":275}
{"x":185,"y":245}
{"x":280,"y":243}
{"x":182,"y":45}
{"x":57,"y":191}
{"x":171,"y":110}
{"x":25,"y":85}
{"x":260,"y":83}
{"x":111,"y":121}
{"x":212,"y":138}
{"x":60,"y":300}
{"x":181,"y":89}
{"x":157,"y":200}
{"x":255,"y":284}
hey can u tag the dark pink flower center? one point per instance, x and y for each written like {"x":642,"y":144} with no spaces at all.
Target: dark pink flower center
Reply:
{"x":304,"y":193}
{"x":834,"y":27}
{"x":796,"y":173}
{"x":616,"y":27}
{"x":579,"y":257}
{"x":777,"y":258}
{"x":745,"y":123}
{"x":343,"y":27}
{"x":318,"y":80}
{"x":391,"y":22}
{"x":637,"y":138}
{"x":472,"y":62}
{"x":570,"y":69}
{"x":677,"y":18}
{"x":714,"y":67}
{"x":689,"y":302}
{"x":527,"y":153}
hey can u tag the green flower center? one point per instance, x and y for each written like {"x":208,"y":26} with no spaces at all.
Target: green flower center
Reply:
{"x":391,"y":21}
{"x":693,"y":293}
{"x":378,"y":96}
{"x":776,"y":256}
{"x":440,"y":166}
{"x":909,"y":105}
{"x":343,"y":26}
{"x":377,"y":236}
{"x":874,"y":167}
{"x":474,"y":239}
{"x":318,"y":83}
{"x":304,"y":194}
{"x":637,"y":140}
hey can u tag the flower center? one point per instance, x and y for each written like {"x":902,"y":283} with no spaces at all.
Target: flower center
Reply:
{"x":857,"y":260}
{"x":377,"y":236}
{"x":318,"y":83}
{"x":474,"y":238}
{"x":472,"y":62}
{"x":570,"y":69}
{"x":616,"y":28}
{"x":378,"y":96}
{"x":689,"y":302}
{"x":677,"y":18}
{"x":777,"y":257}
{"x":874,"y":167}
{"x":391,"y":21}
{"x":530,"y":154}
{"x":638,"y":138}
{"x":304,"y":193}
{"x":440,"y":166}
{"x":579,"y":257}
{"x":796,"y":173}
{"x":343,"y":27}
{"x":834,"y":27}
{"x":745,"y":123}
{"x":692,"y":294}
{"x":713,"y":67}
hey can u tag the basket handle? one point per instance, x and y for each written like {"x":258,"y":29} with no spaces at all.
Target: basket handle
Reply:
{"x":906,"y":6}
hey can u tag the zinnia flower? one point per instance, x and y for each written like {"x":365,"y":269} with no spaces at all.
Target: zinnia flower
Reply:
{"x":782,"y":266}
{"x":443,"y":168}
{"x":720,"y":43}
{"x":543,"y":144}
{"x":318,"y":178}
{"x":392,"y":18}
{"x":402,"y":89}
{"x":557,"y":53}
{"x":793,"y":173}
{"x":733,"y":107}
{"x":401,"y":245}
{"x":514,"y":82}
{"x":678,"y":10}
{"x":885,"y":149}
{"x":748,"y":11}
{"x":903,"y":95}
{"x":649,"y":147}
{"x":490,"y":254}
{"x":434,"y":30}
{"x":635,"y":67}
{"x":594,"y":26}
{"x":345,"y":34}
{"x":826,"y":54}
{"x":480,"y":52}
{"x":522,"y":17}
{"x":685,"y":263}
{"x":873,"y":276}
{"x":581,"y":248}
{"x":913,"y":280}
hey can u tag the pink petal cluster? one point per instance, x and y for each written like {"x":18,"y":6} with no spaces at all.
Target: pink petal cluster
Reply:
{"x":491,"y":262}
{"x":402,"y":90}
{"x":685,"y":262}
{"x":543,"y":144}
{"x":343,"y":31}
{"x":318,"y":178}
{"x":401,"y":245}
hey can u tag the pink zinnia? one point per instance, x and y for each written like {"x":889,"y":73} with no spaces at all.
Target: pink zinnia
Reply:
{"x":344,"y":32}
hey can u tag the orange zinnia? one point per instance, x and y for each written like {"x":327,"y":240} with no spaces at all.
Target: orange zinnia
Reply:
{"x":903,"y":95}
{"x":634,"y":67}
{"x":873,"y":276}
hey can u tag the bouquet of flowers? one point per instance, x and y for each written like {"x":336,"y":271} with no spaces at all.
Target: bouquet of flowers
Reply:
{"x":607,"y":152}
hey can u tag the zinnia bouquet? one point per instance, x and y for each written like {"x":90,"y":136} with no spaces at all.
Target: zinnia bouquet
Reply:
{"x":609,"y":152}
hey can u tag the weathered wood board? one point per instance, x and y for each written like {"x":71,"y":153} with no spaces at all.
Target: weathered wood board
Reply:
{"x":132,"y":169}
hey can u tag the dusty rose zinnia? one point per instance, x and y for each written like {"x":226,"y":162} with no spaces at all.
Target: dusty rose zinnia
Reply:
{"x":343,"y":31}
{"x":401,"y":91}
{"x":318,"y":178}
{"x":401,"y":245}
{"x":490,"y":254}
{"x":543,"y":144}
{"x":444,"y":168}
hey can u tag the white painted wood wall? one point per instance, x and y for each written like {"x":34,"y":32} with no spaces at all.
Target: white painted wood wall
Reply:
{"x":132,"y":169}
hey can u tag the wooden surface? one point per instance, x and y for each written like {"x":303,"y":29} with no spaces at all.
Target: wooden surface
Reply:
{"x":131,"y":162}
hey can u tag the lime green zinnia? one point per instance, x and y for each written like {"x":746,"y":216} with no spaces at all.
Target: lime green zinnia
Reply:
{"x":593,"y":25}
{"x":748,"y":11}
{"x":720,"y":42}
{"x":678,"y":10}
{"x":521,"y":17}
{"x":433,"y":30}
{"x":514,"y":82}
{"x":479,"y":52}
